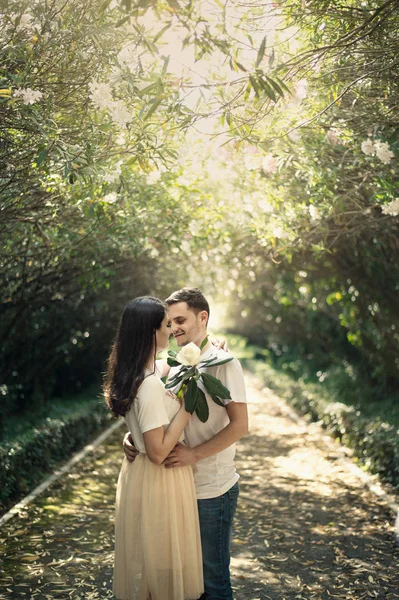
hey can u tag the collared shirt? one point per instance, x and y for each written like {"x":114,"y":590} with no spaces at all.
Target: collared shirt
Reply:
{"x":216,"y":474}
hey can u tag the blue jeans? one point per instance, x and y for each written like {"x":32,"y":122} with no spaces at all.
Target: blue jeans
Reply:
{"x":216,"y":519}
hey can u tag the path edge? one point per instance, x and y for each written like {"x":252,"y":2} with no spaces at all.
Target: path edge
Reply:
{"x":15,"y":510}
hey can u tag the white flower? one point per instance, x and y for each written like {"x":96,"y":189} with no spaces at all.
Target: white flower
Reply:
{"x":368,"y":147}
{"x":381,"y":149}
{"x":28,"y":96}
{"x":301,"y":90}
{"x":153,"y":177}
{"x":294,"y":135}
{"x":278,"y":232}
{"x":115,"y":174}
{"x":333,"y":135}
{"x":127,"y":57}
{"x":110,"y":198}
{"x":392,"y":208}
{"x":26,"y":23}
{"x":121,"y":139}
{"x":189,"y":355}
{"x":383,"y":152}
{"x":314,"y":213}
{"x":253,"y":162}
{"x":100,"y":94}
{"x":269,"y":164}
{"x":120,"y":113}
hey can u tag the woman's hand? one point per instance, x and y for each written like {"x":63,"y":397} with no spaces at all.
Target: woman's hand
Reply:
{"x":219,"y":343}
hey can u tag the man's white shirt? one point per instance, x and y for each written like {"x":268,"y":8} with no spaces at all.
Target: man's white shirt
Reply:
{"x":216,"y":474}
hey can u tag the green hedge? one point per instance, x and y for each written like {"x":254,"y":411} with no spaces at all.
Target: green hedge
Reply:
{"x":374,"y":442}
{"x":26,"y":460}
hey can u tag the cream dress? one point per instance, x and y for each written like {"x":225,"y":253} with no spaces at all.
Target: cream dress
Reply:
{"x":157,"y":539}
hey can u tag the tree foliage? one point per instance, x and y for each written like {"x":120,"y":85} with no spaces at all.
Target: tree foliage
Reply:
{"x":254,"y":144}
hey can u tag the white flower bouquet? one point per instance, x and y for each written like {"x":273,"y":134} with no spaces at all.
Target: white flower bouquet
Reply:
{"x":188,"y":376}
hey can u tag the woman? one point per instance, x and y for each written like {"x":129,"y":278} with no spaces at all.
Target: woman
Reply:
{"x":157,"y":539}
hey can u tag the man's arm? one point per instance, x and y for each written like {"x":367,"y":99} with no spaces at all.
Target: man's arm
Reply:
{"x":129,"y":448}
{"x":181,"y":456}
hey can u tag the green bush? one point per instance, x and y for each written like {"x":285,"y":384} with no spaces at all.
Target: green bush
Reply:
{"x":373,"y":441}
{"x":25,"y":461}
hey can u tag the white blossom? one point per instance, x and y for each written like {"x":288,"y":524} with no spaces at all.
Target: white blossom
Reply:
{"x":115,"y":174}
{"x":121,"y":140}
{"x":278,"y":232}
{"x":392,"y":208}
{"x":100,"y":95}
{"x":301,"y":90}
{"x":383,"y":152}
{"x":294,"y":135}
{"x":253,"y":162}
{"x":189,"y":355}
{"x":120,"y":113}
{"x":127,"y":57}
{"x":28,"y":95}
{"x":153,"y":177}
{"x":334,"y":136}
{"x":314,"y":213}
{"x":368,"y":147}
{"x":378,"y":148}
{"x":110,"y":198}
{"x":26,"y":23}
{"x":269,"y":164}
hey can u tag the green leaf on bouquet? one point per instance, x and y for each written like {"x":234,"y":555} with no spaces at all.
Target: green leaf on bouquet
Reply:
{"x":202,"y":408}
{"x":209,"y":363}
{"x":172,"y":362}
{"x":172,"y":353}
{"x":204,"y":343}
{"x":187,"y":373}
{"x":217,"y":400}
{"x":178,"y":378}
{"x":182,"y":375}
{"x":191,"y":396}
{"x":215,"y":387}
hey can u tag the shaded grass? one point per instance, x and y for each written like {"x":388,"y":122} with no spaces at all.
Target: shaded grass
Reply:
{"x":23,"y":425}
{"x":37,"y":444}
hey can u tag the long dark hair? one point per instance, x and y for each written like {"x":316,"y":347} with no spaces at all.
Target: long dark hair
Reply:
{"x":135,"y":342}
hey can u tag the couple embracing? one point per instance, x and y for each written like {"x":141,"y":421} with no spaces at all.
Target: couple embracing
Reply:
{"x":178,"y":488}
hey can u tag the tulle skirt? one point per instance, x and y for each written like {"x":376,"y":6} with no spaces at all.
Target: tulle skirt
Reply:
{"x":157,"y":539}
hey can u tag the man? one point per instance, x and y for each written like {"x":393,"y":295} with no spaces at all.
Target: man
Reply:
{"x":211,"y":445}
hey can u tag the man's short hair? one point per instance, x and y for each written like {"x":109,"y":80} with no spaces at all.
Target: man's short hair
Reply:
{"x":194,"y":298}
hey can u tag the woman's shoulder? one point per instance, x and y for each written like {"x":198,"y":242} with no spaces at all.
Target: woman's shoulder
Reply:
{"x":152,"y":384}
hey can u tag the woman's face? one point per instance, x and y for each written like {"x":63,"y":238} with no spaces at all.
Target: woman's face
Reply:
{"x":163,"y":334}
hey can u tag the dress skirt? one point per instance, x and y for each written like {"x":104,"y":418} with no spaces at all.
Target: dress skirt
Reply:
{"x":157,"y":538}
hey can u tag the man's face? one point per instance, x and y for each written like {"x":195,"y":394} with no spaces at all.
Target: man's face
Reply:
{"x":186,"y":325}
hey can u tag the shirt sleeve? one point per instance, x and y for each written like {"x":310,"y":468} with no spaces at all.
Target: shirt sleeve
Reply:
{"x":232,"y":377}
{"x":151,"y":409}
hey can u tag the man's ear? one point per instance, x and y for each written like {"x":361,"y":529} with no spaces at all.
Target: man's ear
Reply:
{"x":204,"y":316}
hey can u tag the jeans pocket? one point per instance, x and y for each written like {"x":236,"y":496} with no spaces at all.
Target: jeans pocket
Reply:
{"x":232,"y":496}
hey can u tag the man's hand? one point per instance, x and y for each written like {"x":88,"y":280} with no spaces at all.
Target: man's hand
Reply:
{"x":180,"y":456}
{"x":128,"y":447}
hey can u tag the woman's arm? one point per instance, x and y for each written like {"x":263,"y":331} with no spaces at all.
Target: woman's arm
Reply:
{"x":158,"y":442}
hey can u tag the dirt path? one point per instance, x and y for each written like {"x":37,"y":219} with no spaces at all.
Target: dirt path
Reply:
{"x":306,"y":527}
